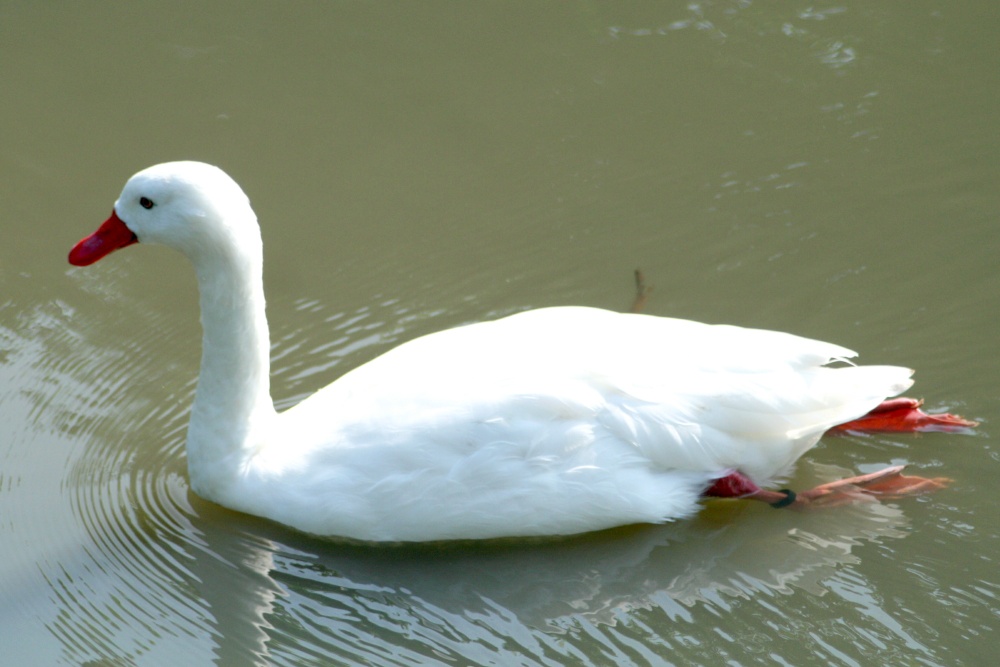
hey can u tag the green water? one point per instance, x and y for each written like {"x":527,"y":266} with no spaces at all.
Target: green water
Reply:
{"x":826,"y":169}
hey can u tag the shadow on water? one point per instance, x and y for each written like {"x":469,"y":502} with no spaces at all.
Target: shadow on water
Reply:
{"x":258,"y":593}
{"x":469,"y":600}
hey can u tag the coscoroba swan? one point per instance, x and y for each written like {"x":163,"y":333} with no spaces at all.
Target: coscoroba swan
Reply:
{"x":551,"y":421}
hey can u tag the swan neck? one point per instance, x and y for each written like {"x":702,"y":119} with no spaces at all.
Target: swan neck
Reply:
{"x":232,"y":406}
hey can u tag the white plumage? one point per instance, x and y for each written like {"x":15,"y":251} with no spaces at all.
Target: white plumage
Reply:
{"x":551,"y":421}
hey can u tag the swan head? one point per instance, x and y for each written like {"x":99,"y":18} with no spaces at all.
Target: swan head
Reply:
{"x":193,"y":207}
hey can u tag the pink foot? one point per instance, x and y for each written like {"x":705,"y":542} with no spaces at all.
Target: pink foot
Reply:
{"x":887,"y":483}
{"x":904,"y":415}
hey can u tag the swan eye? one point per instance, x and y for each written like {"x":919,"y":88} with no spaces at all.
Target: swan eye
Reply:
{"x":146,"y":202}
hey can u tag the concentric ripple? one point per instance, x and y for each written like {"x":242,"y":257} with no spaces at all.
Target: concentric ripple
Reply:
{"x":125,"y":588}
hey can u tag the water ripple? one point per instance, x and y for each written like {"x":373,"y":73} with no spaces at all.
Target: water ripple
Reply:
{"x":138,"y":569}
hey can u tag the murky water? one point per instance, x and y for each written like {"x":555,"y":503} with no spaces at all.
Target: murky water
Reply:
{"x":824,"y":169}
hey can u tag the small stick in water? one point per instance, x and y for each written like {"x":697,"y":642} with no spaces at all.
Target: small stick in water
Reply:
{"x":641,"y":292}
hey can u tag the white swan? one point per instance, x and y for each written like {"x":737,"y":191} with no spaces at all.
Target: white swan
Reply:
{"x":551,"y":421}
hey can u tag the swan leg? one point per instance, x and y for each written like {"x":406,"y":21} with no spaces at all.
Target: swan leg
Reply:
{"x":904,"y":415}
{"x":737,"y":485}
{"x":887,"y":483}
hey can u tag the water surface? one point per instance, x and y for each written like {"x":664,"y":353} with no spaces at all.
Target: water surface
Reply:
{"x":823,"y":169}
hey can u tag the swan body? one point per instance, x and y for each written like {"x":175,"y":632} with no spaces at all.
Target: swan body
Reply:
{"x":547,"y":422}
